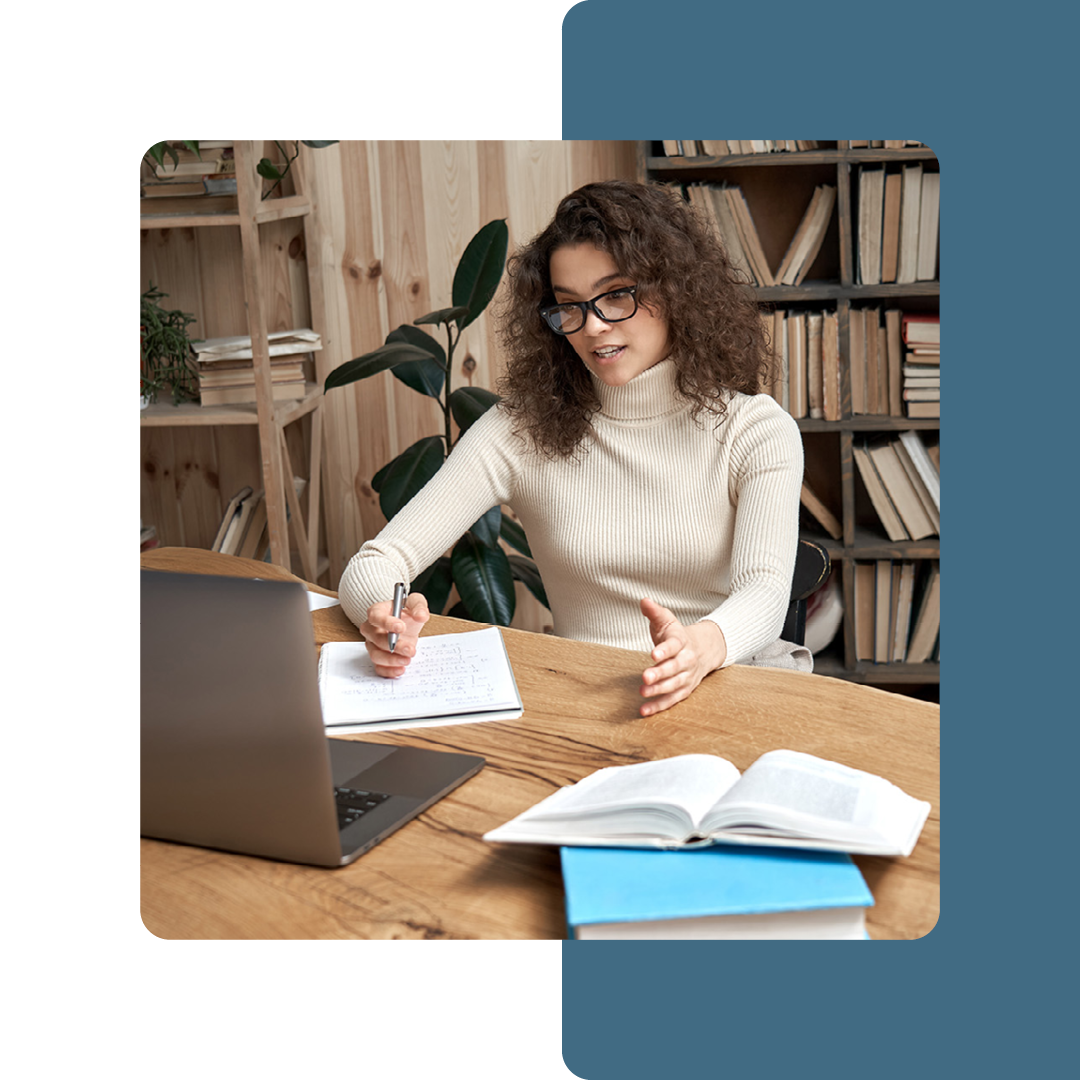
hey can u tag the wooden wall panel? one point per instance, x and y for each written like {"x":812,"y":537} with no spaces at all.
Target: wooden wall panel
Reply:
{"x":392,"y":220}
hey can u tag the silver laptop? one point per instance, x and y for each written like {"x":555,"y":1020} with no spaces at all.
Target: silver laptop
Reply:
{"x":234,"y":752}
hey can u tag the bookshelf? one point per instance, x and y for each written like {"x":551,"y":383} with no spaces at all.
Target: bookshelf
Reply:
{"x":777,"y":187}
{"x":283,"y":506}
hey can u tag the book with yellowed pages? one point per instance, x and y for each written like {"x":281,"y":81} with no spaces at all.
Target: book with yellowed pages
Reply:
{"x":452,"y":679}
{"x":784,"y":799}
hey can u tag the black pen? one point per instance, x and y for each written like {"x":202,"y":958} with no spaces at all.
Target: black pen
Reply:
{"x":399,"y":599}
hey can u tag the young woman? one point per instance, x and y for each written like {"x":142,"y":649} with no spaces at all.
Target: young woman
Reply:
{"x":658,"y":488}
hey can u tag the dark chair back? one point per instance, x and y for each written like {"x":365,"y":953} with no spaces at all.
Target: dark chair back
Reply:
{"x":811,"y":572}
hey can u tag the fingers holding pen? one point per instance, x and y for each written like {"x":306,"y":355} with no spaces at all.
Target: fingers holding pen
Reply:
{"x":381,"y":623}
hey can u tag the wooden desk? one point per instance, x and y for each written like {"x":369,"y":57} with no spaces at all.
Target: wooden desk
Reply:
{"x":436,"y":878}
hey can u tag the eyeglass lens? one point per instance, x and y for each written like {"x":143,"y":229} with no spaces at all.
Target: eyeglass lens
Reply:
{"x":611,"y":307}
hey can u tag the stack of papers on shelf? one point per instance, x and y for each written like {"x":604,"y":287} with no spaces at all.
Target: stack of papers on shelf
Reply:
{"x":227,"y":376}
{"x":622,"y":894}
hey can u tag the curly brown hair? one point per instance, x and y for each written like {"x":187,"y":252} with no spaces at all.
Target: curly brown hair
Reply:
{"x":682,"y":273}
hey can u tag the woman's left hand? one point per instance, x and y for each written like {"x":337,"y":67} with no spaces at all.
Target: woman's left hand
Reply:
{"x":684,"y":655}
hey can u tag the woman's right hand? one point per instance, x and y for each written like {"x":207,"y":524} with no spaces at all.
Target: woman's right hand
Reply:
{"x":380,"y":623}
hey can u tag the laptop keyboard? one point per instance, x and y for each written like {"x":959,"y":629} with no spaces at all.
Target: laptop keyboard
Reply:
{"x":352,"y":804}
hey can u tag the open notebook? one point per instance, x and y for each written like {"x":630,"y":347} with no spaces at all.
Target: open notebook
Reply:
{"x":453,"y":679}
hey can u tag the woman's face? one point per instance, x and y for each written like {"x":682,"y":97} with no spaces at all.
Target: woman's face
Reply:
{"x":614,"y":352}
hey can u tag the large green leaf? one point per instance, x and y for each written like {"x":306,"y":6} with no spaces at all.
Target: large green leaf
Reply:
{"x":318,"y":144}
{"x":399,"y":480}
{"x":385,"y":356}
{"x":486,"y":530}
{"x":424,"y":376}
{"x":514,"y":535}
{"x":478,"y":273}
{"x":435,"y":583}
{"x":524,"y":570}
{"x":484,"y":581}
{"x":469,"y":403}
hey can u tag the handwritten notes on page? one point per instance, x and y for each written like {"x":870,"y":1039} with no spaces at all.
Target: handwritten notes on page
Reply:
{"x":453,"y":679}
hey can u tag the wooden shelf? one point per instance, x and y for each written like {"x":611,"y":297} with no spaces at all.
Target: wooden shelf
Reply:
{"x":840,"y":293}
{"x":785,"y":158}
{"x":191,"y":414}
{"x":271,"y":210}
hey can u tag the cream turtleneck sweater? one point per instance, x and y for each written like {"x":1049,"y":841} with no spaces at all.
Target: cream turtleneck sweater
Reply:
{"x":701,"y":519}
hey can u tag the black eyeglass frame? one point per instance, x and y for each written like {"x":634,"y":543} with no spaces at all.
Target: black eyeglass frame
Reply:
{"x":585,"y":306}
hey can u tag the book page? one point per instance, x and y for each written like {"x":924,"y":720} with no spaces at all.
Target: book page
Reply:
{"x":661,"y":798}
{"x":451,"y":675}
{"x":796,"y":794}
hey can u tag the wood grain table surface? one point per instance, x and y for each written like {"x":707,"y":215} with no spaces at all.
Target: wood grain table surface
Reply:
{"x":436,"y":877}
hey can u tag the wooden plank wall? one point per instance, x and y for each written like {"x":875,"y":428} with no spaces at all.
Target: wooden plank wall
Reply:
{"x":391,"y":222}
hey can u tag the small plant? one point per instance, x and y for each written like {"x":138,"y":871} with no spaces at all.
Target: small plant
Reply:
{"x":480,"y":569}
{"x":165,"y":350}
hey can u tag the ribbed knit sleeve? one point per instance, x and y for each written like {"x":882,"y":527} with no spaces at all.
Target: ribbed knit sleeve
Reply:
{"x":477,"y":475}
{"x":766,"y":475}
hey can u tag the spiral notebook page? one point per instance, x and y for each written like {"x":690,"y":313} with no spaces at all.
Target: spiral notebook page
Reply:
{"x":453,"y":679}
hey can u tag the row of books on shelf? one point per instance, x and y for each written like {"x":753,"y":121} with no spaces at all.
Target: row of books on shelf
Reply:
{"x":724,"y":147}
{"x":902,"y":476}
{"x":243,"y":530}
{"x":895,"y":362}
{"x":898,"y":219}
{"x":895,"y":368}
{"x":725,"y":206}
{"x":225,"y":369}
{"x":211,"y":171}
{"x":898,"y":611}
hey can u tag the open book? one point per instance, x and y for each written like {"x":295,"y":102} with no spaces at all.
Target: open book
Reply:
{"x":453,"y":679}
{"x":785,"y":798}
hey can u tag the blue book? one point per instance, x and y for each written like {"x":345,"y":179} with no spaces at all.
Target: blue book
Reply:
{"x":722,"y":891}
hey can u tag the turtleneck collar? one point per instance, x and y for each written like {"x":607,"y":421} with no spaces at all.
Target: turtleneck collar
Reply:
{"x":648,"y":396}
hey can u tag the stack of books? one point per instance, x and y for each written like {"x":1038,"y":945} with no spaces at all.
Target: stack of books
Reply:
{"x":686,"y":847}
{"x":724,"y":147}
{"x":207,"y":177}
{"x":922,"y":365}
{"x":726,"y":207}
{"x":226,"y":373}
{"x":883,"y":144}
{"x":243,"y":528}
{"x":897,"y":611}
{"x":898,"y":217}
{"x":877,"y":361}
{"x":902,"y":477}
{"x":806,"y":348}
{"x":721,"y":892}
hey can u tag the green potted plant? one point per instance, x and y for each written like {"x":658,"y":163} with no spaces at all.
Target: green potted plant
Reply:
{"x":165,"y":350}
{"x":483,"y":573}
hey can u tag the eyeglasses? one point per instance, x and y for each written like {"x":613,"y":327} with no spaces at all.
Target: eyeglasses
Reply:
{"x":615,"y":306}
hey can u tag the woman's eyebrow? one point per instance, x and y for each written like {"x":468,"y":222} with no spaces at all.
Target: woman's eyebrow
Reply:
{"x":595,"y":285}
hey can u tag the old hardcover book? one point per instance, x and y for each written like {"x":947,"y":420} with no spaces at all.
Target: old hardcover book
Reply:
{"x":873,"y":368}
{"x":830,"y":366}
{"x":815,"y":388}
{"x":882,"y":606}
{"x":890,"y":229}
{"x":857,"y":361}
{"x":910,"y":200}
{"x":879,"y":497}
{"x":895,"y":348}
{"x":822,"y":514}
{"x":864,"y":611}
{"x":871,"y":206}
{"x":797,"y":365}
{"x":926,"y":261}
{"x":928,"y":620}
{"x":901,"y":491}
